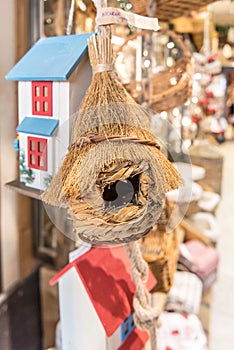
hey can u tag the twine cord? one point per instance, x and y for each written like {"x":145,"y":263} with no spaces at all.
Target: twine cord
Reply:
{"x":145,"y":316}
{"x":151,"y":8}
{"x":103,"y":67}
{"x":70,"y":17}
{"x":99,"y":138}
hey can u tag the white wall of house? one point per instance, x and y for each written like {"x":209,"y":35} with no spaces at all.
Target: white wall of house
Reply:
{"x":24,"y":100}
{"x":79,"y":82}
{"x":81,"y":327}
{"x":67,"y":97}
{"x":114,"y":342}
{"x":61,"y":112}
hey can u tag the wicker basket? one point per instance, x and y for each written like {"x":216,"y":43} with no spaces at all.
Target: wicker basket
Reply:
{"x":191,"y":232}
{"x":208,"y":156}
{"x":160,"y":250}
{"x":172,"y":87}
{"x":166,"y":10}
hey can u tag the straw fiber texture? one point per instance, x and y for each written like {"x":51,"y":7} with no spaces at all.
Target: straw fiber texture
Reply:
{"x":114,"y":177}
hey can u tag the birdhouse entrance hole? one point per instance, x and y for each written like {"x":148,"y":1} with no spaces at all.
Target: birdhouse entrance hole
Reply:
{"x":122,"y":192}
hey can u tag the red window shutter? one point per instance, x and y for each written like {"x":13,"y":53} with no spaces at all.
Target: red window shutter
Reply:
{"x":37,"y":153}
{"x":42,"y":98}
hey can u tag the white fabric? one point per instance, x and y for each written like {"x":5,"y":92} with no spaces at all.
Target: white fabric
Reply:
{"x":198,"y":172}
{"x":199,"y":58}
{"x":181,"y":332}
{"x":209,"y":201}
{"x":190,"y":171}
{"x":189,"y":191}
{"x":203,"y":66}
{"x":207,"y":224}
{"x":185,"y":294}
{"x":185,"y":252}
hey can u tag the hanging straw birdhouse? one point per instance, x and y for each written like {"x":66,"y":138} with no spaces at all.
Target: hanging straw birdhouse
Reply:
{"x":114,"y":177}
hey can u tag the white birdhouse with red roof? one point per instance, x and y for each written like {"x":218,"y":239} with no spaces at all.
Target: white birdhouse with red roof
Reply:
{"x":95,"y":296}
{"x":53,"y":77}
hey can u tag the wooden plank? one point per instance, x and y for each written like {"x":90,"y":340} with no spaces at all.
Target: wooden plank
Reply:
{"x":192,"y":232}
{"x":20,"y":188}
{"x":159,"y":300}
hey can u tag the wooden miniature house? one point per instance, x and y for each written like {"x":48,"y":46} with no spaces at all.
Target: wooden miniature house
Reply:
{"x":95,"y":297}
{"x":53,"y":77}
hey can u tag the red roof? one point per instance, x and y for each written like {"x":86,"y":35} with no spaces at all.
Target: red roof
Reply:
{"x":135,"y":341}
{"x":106,"y":276}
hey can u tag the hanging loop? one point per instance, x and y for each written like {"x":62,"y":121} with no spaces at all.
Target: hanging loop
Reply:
{"x":70,"y":18}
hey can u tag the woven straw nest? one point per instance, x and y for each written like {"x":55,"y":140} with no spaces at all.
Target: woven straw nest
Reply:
{"x":166,"y":10}
{"x":114,"y":177}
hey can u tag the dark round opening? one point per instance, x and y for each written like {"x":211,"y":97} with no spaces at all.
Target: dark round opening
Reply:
{"x":122,"y":193}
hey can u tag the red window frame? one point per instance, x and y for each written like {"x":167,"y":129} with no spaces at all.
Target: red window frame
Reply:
{"x":42,"y":98}
{"x":37,"y":153}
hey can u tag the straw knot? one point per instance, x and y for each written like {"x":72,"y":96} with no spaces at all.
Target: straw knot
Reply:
{"x":103,"y":67}
{"x":145,"y":317}
{"x":100,"y":138}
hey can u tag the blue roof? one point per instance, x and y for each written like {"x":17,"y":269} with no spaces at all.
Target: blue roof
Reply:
{"x":38,"y":126}
{"x":52,"y":58}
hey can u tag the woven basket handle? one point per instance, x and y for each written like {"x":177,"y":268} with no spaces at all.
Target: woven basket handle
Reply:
{"x":177,"y":39}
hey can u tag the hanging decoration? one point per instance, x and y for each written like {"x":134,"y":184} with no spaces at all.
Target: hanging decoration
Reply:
{"x":111,"y":146}
{"x":206,"y":63}
{"x":114,"y":177}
